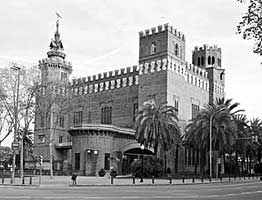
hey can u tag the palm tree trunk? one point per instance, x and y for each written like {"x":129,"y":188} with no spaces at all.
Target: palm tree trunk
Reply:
{"x":176,"y":161}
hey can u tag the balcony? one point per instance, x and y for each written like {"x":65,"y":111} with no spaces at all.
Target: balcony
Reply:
{"x":64,"y":145}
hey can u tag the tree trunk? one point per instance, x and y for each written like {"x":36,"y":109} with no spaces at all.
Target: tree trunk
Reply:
{"x":176,"y":161}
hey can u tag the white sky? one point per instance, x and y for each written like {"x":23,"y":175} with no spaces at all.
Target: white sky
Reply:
{"x":102,"y":35}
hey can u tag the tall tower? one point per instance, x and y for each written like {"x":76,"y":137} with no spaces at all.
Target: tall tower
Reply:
{"x":161,"y":42}
{"x":55,"y":68}
{"x":209,"y":58}
{"x":158,"y":47}
{"x":53,"y":141}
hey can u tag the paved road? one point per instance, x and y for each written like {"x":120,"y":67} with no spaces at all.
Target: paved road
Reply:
{"x":198,"y":191}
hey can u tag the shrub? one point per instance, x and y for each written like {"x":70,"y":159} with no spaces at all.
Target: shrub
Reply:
{"x":101,"y":172}
{"x":113,"y":173}
{"x":152,"y":167}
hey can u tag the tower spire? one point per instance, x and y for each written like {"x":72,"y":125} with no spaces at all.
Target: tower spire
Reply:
{"x":56,"y":44}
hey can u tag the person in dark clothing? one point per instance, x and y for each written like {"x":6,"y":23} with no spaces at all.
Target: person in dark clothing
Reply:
{"x":74,"y":176}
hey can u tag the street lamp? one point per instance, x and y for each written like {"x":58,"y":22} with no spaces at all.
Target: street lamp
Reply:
{"x":210,"y":140}
{"x":142,"y":147}
{"x":14,"y":67}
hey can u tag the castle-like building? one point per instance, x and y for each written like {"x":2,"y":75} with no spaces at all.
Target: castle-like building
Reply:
{"x":97,"y":132}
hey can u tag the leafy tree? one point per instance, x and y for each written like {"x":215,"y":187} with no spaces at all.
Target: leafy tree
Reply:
{"x":251,"y":24}
{"x":26,"y":104}
{"x":157,"y":126}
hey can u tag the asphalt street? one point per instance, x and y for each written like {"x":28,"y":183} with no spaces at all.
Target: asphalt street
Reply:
{"x":198,"y":191}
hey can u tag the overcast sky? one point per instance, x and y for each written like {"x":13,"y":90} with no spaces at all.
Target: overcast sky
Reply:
{"x":102,"y":35}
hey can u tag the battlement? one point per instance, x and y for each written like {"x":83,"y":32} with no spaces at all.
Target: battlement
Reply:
{"x":161,"y":28}
{"x":198,"y":71}
{"x":208,"y":48}
{"x":123,"y":72}
{"x":191,"y":74}
{"x":52,"y":62}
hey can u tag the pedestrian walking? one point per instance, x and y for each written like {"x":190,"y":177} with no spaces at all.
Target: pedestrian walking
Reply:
{"x":74,"y":176}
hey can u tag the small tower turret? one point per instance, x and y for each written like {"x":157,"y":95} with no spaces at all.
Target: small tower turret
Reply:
{"x":209,"y":58}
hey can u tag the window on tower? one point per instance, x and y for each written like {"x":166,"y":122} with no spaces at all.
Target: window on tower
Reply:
{"x":198,"y":61}
{"x":213,"y":60}
{"x":209,"y":60}
{"x":176,"y":49}
{"x":63,"y":76}
{"x":153,"y":48}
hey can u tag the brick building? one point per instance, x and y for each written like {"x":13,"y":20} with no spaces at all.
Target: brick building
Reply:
{"x":97,"y":132}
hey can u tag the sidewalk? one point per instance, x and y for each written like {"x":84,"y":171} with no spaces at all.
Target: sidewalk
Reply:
{"x":84,"y":181}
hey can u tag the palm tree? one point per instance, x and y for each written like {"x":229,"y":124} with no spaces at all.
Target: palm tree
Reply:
{"x":157,"y":126}
{"x":223,"y":130}
{"x":256,"y":129}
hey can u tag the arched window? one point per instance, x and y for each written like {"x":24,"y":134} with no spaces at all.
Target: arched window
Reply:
{"x":209,"y":60}
{"x":153,"y":48}
{"x":213,"y":60}
{"x":202,"y":60}
{"x":180,"y":51}
{"x":176,"y":49}
{"x":198,"y":61}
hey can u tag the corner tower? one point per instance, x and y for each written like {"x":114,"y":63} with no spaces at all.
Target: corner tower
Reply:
{"x":161,"y":42}
{"x":55,"y":68}
{"x":209,"y":58}
{"x":158,"y":48}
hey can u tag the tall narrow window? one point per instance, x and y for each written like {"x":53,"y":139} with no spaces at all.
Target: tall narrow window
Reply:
{"x":176,"y":106}
{"x":106,"y":115}
{"x":135,"y":109}
{"x":209,"y":60}
{"x":198,"y":61}
{"x":213,"y":60}
{"x":78,"y":118}
{"x":77,"y":161}
{"x":107,"y":161}
{"x":61,"y":121}
{"x":153,"y":48}
{"x":176,"y":49}
{"x":60,"y":139}
{"x":180,"y":51}
{"x":195,"y":110}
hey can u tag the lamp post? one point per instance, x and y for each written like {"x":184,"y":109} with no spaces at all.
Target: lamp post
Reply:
{"x":210,"y":139}
{"x":15,"y":121}
{"x":142,"y":147}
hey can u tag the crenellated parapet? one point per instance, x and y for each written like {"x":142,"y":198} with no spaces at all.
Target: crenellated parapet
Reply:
{"x":208,"y":48}
{"x":49,"y":62}
{"x":162,"y":28}
{"x":191,"y":74}
{"x":111,"y":80}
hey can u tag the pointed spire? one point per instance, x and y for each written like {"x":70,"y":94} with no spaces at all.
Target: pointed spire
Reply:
{"x":56,"y":43}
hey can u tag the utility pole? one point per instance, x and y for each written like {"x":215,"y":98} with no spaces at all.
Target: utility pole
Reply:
{"x":16,"y":121}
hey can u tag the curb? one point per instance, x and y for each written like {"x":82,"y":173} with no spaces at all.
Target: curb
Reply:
{"x":160,"y":184}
